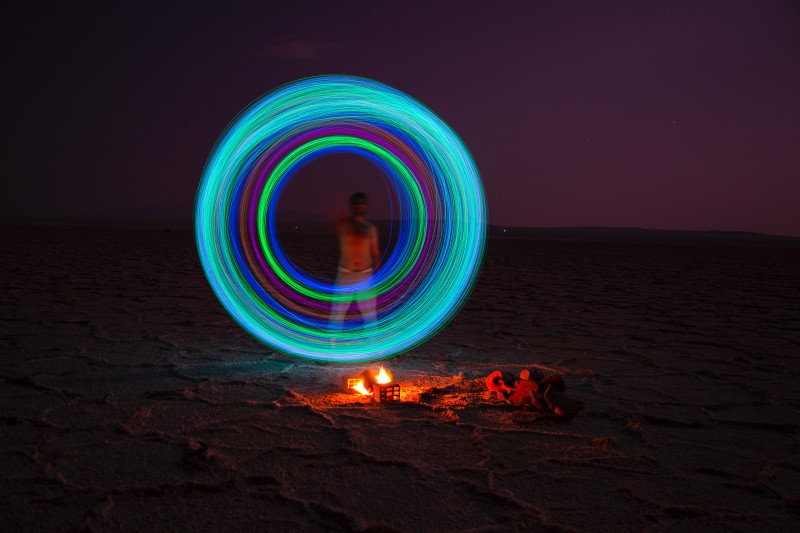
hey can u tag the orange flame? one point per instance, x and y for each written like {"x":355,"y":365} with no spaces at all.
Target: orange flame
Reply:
{"x":383,"y":377}
{"x":360,"y":388}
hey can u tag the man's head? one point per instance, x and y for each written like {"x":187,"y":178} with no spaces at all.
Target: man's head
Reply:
{"x":358,"y":204}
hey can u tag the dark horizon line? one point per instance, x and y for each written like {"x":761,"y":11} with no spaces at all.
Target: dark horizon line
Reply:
{"x":492,"y":229}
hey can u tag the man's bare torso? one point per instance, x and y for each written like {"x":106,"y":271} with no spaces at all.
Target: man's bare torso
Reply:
{"x":357,"y":238}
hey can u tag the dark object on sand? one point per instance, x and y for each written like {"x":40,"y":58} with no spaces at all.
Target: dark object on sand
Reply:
{"x":554,"y":381}
{"x":524,"y":387}
{"x":546,"y":395}
{"x":496,"y":384}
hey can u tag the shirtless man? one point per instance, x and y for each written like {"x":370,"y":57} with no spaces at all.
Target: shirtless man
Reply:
{"x":359,"y":257}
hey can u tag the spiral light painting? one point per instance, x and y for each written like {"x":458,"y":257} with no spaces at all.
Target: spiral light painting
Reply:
{"x":439,"y":250}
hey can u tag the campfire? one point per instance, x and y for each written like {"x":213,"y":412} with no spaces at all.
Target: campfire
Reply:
{"x":380,"y":386}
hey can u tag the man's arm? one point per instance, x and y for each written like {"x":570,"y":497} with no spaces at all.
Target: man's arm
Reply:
{"x":373,"y":249}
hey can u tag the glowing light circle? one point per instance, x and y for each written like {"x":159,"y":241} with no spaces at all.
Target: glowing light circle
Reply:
{"x":439,"y":250}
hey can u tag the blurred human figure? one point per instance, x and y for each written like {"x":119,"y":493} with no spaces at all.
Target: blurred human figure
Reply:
{"x":358,"y":259}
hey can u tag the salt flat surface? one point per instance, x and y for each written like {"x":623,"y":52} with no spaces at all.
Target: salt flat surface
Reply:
{"x":132,"y":402}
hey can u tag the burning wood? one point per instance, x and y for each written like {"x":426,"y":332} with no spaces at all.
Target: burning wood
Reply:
{"x":359,"y":387}
{"x":383,"y":377}
{"x":380,"y":386}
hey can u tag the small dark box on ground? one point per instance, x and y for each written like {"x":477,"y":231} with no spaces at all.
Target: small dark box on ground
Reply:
{"x":388,"y":392}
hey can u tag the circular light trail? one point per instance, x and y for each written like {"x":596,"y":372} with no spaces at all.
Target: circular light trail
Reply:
{"x":442,"y":215}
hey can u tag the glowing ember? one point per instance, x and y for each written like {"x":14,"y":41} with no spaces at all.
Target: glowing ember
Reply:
{"x":360,"y":388}
{"x":383,"y":377}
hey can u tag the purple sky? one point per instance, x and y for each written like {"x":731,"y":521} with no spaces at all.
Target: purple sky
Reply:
{"x":670,"y":115}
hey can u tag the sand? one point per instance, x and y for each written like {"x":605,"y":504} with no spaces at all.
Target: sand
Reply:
{"x":132,"y":402}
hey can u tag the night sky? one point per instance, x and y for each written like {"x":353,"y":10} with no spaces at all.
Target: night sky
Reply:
{"x":667,"y":115}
